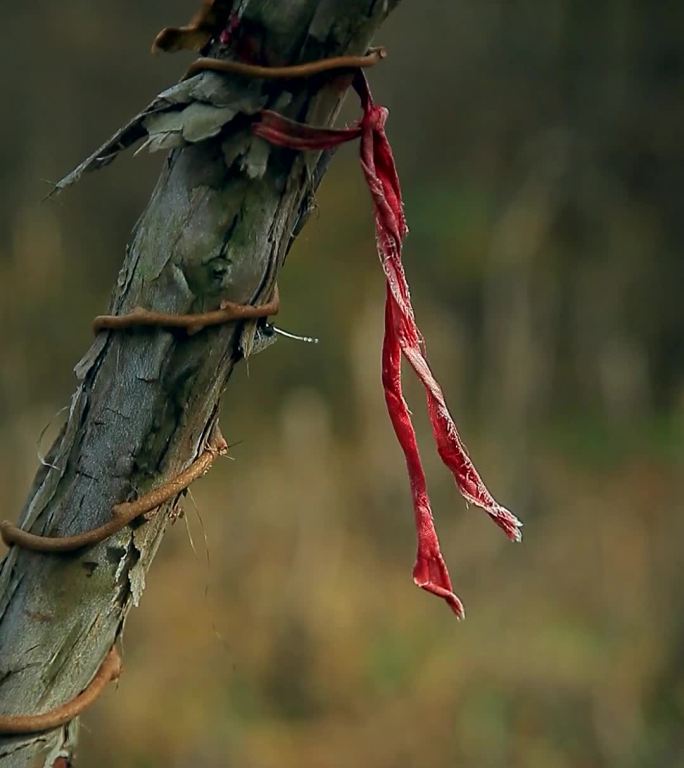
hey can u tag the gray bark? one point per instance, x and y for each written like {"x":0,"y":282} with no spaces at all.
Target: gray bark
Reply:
{"x":218,"y":225}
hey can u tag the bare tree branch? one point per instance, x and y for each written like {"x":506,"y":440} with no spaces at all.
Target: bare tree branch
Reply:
{"x":218,"y":227}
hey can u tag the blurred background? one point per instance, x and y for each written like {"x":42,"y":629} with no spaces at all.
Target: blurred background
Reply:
{"x":540,"y":149}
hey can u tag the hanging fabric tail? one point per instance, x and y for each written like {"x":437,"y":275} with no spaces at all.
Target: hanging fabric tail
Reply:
{"x":402,"y":336}
{"x":430,"y":571}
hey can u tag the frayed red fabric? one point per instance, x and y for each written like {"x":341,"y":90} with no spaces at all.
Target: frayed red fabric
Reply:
{"x":402,"y":336}
{"x":226,"y":36}
{"x":430,"y":572}
{"x":284,"y":132}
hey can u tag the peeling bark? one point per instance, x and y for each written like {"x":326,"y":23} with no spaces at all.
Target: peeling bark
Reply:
{"x":218,"y":226}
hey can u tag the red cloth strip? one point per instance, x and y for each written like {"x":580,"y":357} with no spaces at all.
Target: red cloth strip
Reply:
{"x":402,"y":335}
{"x":284,"y":132}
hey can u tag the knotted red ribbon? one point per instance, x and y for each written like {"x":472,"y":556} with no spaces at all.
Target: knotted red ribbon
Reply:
{"x":402,"y":335}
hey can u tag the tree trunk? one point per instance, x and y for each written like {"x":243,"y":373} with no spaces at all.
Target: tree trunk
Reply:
{"x":218,"y":226}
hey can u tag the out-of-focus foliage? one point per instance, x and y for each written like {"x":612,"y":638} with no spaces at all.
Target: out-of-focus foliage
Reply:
{"x":540,"y":146}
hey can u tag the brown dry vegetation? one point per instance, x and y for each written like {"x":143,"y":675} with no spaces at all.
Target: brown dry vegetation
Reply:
{"x":541,"y":156}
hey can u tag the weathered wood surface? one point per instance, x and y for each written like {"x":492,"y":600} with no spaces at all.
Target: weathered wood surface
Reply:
{"x":218,"y":225}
